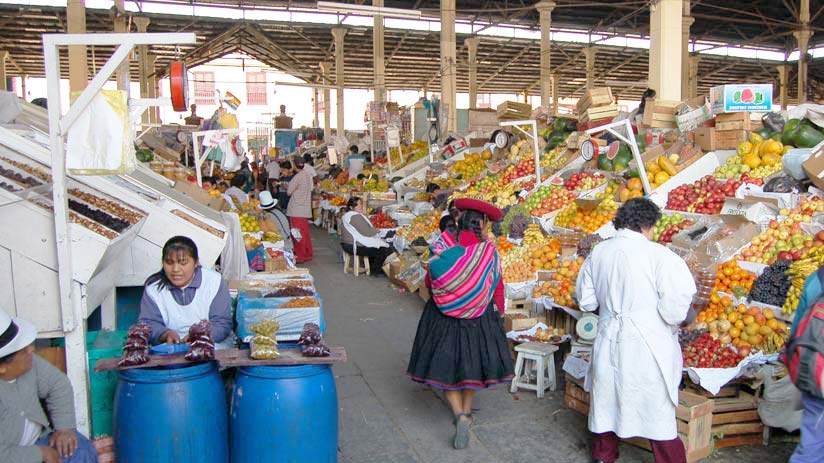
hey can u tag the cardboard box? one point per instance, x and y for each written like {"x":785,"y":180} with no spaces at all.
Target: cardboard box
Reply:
{"x":200,"y":195}
{"x":741,"y":98}
{"x":814,"y":168}
{"x":705,"y":138}
{"x":513,"y":323}
{"x":697,"y":117}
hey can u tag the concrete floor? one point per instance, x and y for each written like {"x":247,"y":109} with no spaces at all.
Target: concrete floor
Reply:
{"x":386,"y":418}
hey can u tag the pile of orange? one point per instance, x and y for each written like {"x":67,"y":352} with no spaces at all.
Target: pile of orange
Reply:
{"x":517,"y":272}
{"x":504,"y":245}
{"x":561,"y":286}
{"x":574,"y":218}
{"x":743,"y":326}
{"x":733,"y":279}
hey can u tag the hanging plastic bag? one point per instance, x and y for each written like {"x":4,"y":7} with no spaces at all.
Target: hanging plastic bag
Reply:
{"x":101,"y":141}
{"x":230,"y":161}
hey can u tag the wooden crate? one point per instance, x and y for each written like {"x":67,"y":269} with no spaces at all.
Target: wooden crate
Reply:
{"x":598,"y":113}
{"x":729,"y":139}
{"x":595,"y":97}
{"x":575,"y":397}
{"x":513,"y":111}
{"x":480,"y":119}
{"x":735,"y":421}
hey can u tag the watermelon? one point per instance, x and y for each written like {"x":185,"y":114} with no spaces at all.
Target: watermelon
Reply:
{"x":789,"y":131}
{"x":747,"y":96}
{"x":604,"y":162}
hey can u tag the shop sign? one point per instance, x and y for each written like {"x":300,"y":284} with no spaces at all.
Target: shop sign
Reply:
{"x":741,"y":98}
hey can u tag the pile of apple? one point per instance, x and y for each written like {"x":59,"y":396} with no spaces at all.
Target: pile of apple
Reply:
{"x":785,"y":239}
{"x":705,"y":196}
{"x":584,"y":181}
{"x":522,"y":169}
{"x":668,"y":226}
{"x":381,"y":220}
{"x":548,"y":198}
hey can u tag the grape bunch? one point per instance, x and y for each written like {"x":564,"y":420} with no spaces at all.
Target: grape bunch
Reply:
{"x":518,"y":226}
{"x":686,"y":337}
{"x":497,"y":227}
{"x":115,"y":223}
{"x":587,"y":243}
{"x":771,"y":287}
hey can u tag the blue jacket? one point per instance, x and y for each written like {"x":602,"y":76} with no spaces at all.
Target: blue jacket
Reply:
{"x":809,"y":295}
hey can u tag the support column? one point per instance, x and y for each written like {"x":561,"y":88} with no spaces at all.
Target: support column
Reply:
{"x":152,"y":87}
{"x":339,"y":34}
{"x":315,"y":110}
{"x":23,"y":86}
{"x":694,"y":61}
{"x":378,"y":55}
{"x":121,"y":26}
{"x":802,"y":37}
{"x":4,"y":55}
{"x":448,"y":61}
{"x":142,"y":23}
{"x":555,"y":94}
{"x":545,"y":14}
{"x":472,"y":47}
{"x":327,"y":101}
{"x":78,"y":65}
{"x":666,"y":21}
{"x":686,"y":23}
{"x":589,"y":55}
{"x":783,"y":74}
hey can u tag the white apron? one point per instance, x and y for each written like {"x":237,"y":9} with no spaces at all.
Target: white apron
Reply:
{"x":355,"y":168}
{"x":644,"y":291}
{"x":180,"y":317}
{"x":357,"y":238}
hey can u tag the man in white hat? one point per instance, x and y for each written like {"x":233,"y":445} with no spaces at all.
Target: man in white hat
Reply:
{"x":30,"y":434}
{"x":267,"y":204}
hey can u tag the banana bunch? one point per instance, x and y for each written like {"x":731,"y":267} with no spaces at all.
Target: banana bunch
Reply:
{"x":502,"y":198}
{"x":774,"y":342}
{"x":798,"y":273}
{"x":534,"y":235}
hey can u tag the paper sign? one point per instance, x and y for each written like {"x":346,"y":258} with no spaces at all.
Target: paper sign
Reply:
{"x":332,"y":154}
{"x":751,"y":209}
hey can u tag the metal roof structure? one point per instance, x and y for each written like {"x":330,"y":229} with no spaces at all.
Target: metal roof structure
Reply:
{"x":506,"y":64}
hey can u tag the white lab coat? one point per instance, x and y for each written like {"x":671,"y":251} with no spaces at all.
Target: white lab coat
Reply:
{"x":644,"y":291}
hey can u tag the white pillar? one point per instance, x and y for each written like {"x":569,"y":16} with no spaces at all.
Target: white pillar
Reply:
{"x":378,"y":55}
{"x":23,"y":79}
{"x":325,"y":67}
{"x":4,"y":55}
{"x":555,"y":94}
{"x":589,"y":55}
{"x":448,"y":61}
{"x":686,"y":23}
{"x":122,"y":76}
{"x":472,"y":47}
{"x":802,"y":37}
{"x":77,"y":364}
{"x":78,"y":66}
{"x":315,"y":111}
{"x":339,"y":34}
{"x":545,"y":17}
{"x":143,"y":71}
{"x":666,"y":22}
{"x":783,"y":74}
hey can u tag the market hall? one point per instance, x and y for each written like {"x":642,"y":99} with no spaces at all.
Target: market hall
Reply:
{"x":508,"y":243}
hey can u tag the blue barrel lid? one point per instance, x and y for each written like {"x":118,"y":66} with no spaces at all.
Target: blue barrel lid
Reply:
{"x":284,"y":371}
{"x":168,"y":375}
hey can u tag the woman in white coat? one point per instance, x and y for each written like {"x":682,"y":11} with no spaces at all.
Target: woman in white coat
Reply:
{"x":644,"y":292}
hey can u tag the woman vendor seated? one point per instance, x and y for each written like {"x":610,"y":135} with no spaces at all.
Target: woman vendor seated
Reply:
{"x":183,"y":293}
{"x":360,"y":238}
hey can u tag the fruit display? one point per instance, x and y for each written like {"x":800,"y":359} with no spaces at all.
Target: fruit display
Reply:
{"x":548,"y":198}
{"x":115,"y":223}
{"x":215,"y":193}
{"x":772,"y":285}
{"x":36,"y":171}
{"x":381,"y":220}
{"x":705,"y":196}
{"x":743,"y":326}
{"x":470,"y":166}
{"x":587,"y":244}
{"x":706,"y":352}
{"x":550,"y":335}
{"x":110,"y":207}
{"x":616,"y":158}
{"x":534,"y":234}
{"x":22,"y":180}
{"x":249,"y":223}
{"x":798,"y":272}
{"x":632,"y":189}
{"x":785,"y":239}
{"x":561,"y":285}
{"x":292,"y":291}
{"x":272,"y":237}
{"x":337,"y":201}
{"x":544,"y":256}
{"x":661,"y":169}
{"x":250,"y":206}
{"x":374,"y":185}
{"x":757,"y":157}
{"x":732,"y":279}
{"x":575,"y":218}
{"x":300,"y":303}
{"x":584,"y":181}
{"x":421,"y":226}
{"x":250,"y":242}
{"x":515,"y":267}
{"x":668,"y":225}
{"x":514,"y":223}
{"x":503,"y":245}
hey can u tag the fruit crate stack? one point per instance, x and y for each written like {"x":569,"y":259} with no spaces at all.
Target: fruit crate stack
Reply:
{"x":597,"y":104}
{"x":694,"y":416}
{"x":514,"y":111}
{"x":660,"y":114}
{"x":731,"y":129}
{"x":735,"y":420}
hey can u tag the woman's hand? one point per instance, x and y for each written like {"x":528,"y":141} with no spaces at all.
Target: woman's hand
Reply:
{"x":170,"y":337}
{"x":49,"y":454}
{"x":64,"y":441}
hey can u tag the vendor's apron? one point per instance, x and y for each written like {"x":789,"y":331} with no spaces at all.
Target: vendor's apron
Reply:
{"x":180,"y":317}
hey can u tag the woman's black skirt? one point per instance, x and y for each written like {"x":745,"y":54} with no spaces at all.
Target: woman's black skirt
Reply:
{"x":454,"y":353}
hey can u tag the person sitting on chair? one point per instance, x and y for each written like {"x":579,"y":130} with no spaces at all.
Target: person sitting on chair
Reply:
{"x":360,"y":238}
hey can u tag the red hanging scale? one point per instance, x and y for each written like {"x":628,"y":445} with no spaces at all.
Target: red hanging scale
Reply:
{"x":179,"y":86}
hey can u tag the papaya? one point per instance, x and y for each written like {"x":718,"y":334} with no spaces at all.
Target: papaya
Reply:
{"x":790,"y":128}
{"x":776,"y":136}
{"x":667,"y":166}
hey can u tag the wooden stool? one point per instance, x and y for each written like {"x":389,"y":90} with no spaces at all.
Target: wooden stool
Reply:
{"x":358,"y":262}
{"x":543,"y":355}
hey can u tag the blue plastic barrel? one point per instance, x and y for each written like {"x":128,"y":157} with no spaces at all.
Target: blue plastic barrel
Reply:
{"x":284,"y":414}
{"x":171,"y":415}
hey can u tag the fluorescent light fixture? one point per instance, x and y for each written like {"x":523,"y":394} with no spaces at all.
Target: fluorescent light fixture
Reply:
{"x":368,"y":10}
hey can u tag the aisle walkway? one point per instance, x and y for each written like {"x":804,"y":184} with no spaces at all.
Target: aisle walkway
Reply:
{"x":386,"y":418}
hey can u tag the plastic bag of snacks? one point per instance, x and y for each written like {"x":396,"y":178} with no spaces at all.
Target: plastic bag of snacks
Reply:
{"x":200,"y":339}
{"x":264,"y":346}
{"x":311,"y":342}
{"x":136,"y":350}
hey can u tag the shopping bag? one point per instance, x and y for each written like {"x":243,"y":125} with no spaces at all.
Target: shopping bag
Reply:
{"x":101,"y":141}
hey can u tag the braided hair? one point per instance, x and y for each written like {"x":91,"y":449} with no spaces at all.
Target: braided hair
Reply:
{"x":473,"y":221}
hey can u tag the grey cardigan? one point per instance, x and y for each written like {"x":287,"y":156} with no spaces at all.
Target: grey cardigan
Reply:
{"x":20,"y":400}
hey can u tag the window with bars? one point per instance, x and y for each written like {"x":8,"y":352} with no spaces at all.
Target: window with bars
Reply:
{"x":204,"y":87}
{"x":256,"y":88}
{"x":484,"y":101}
